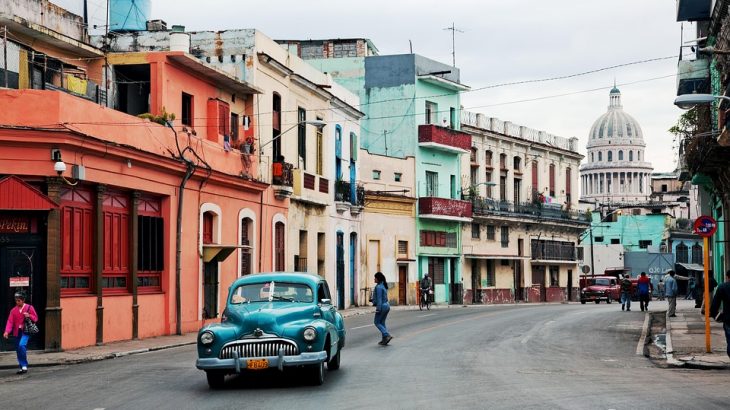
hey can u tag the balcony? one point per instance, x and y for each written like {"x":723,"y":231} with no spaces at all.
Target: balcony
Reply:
{"x":349,"y":196}
{"x":693,"y":76}
{"x":553,"y":251}
{"x":282,"y":179}
{"x":311,"y":188}
{"x":443,"y":139}
{"x":445,"y":209}
{"x":554,"y":212}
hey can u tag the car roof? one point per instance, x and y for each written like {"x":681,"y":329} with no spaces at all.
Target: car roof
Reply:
{"x":294,"y":277}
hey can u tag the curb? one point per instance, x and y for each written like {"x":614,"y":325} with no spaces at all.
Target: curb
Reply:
{"x":671,"y":361}
{"x":688,"y":364}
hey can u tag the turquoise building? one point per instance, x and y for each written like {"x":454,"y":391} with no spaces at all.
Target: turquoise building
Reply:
{"x":636,"y":233}
{"x":412,"y":106}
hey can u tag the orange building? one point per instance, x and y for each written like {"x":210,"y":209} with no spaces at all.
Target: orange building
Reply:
{"x":141,"y":230}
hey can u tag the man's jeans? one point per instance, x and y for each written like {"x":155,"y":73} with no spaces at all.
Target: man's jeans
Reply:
{"x":21,"y":349}
{"x":672,"y":300}
{"x":726,"y":326}
{"x":626,"y":299}
{"x":380,"y":317}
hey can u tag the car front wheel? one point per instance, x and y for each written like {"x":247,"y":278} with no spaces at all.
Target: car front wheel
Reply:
{"x":608,"y":300}
{"x":598,"y":301}
{"x":216,"y":379}
{"x":334,"y":364}
{"x":582,"y":302}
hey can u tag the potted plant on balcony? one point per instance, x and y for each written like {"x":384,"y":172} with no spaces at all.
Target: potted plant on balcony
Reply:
{"x":163,"y":119}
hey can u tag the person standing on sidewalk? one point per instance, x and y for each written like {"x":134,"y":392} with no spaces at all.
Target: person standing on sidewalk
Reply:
{"x":382,"y":307}
{"x":660,"y":287}
{"x":645,"y":288}
{"x":670,"y":290}
{"x":14,"y":326}
{"x":626,"y":292}
{"x":722,"y":296}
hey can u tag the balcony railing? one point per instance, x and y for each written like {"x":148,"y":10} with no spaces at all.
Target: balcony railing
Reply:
{"x":444,"y":207}
{"x":488,"y":206}
{"x":553,"y":251}
{"x":444,"y":139}
{"x":347,"y":192}
{"x":282,"y":174}
{"x":300,"y":264}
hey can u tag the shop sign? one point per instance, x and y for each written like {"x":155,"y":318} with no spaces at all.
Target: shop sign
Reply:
{"x":13,"y":224}
{"x":19,"y":281}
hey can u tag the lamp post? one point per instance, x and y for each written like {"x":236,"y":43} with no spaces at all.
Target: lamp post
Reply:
{"x":687,"y":101}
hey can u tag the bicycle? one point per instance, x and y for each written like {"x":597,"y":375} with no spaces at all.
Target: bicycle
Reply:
{"x":425,"y":299}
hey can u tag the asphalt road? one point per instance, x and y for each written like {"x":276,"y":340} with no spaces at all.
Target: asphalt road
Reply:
{"x":527,"y":356}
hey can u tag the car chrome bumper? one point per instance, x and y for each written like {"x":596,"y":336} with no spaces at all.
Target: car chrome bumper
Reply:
{"x":279,"y":362}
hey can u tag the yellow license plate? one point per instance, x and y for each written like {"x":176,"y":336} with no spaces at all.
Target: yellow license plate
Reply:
{"x":257,"y":364}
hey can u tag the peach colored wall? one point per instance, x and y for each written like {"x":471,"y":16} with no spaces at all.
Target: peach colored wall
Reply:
{"x":78,"y":322}
{"x":117,"y":318}
{"x":151,"y":310}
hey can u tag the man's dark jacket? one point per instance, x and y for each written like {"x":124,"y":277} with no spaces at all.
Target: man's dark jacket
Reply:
{"x":722,"y":296}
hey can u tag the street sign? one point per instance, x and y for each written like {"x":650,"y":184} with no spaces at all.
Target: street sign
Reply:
{"x":19,"y":281}
{"x":705,"y":226}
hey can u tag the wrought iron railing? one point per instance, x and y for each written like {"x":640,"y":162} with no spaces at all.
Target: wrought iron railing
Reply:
{"x":282,"y":174}
{"x":488,"y":206}
{"x":347,"y":192}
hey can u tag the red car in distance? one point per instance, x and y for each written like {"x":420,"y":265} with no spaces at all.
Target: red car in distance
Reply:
{"x":598,"y":288}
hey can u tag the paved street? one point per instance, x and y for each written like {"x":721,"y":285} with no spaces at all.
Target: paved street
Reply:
{"x":528,"y":356}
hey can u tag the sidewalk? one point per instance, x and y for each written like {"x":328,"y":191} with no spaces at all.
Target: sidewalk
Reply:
{"x":686,"y":340}
{"x":129,"y":347}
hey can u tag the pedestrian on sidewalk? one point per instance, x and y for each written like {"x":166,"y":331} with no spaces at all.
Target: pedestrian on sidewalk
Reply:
{"x":645,"y":288}
{"x":690,"y":288}
{"x":626,"y":292}
{"x":660,"y":289}
{"x":700,"y":290}
{"x":14,"y":326}
{"x":722,"y":297}
{"x":382,"y":307}
{"x":670,"y":290}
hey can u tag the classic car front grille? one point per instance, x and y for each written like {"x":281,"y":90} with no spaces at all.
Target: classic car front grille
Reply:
{"x":258,"y":348}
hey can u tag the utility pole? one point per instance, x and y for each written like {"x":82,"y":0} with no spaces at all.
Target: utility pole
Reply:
{"x":5,"y":55}
{"x":453,"y":30}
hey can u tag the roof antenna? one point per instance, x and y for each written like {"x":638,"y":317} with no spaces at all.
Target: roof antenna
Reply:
{"x":453,"y":30}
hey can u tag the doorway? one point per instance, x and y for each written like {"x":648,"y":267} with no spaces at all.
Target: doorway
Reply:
{"x":353,"y":266}
{"x":340,"y":270}
{"x":538,"y":279}
{"x":21,"y":270}
{"x":402,"y":284}
{"x":570,"y":284}
{"x":210,"y":290}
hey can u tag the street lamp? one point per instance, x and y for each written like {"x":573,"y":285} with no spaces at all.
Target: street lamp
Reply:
{"x":317,"y":123}
{"x":687,"y":101}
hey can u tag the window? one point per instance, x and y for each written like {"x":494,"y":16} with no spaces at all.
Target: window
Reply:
{"x":115,"y":269}
{"x":600,"y":155}
{"x":491,"y":276}
{"x":76,"y":240}
{"x":579,"y":253}
{"x":631,"y":155}
{"x":452,"y":116}
{"x":279,"y":248}
{"x":620,"y":155}
{"x":432,"y":183}
{"x":598,"y":239}
{"x":593,"y":158}
{"x":475,"y":231}
{"x":403,"y":248}
{"x":697,"y":254}
{"x":488,"y":158}
{"x":490,"y":232}
{"x":320,"y":147}
{"x":664,"y":188}
{"x":517,"y":190}
{"x":208,"y":228}
{"x":643,"y":244}
{"x":246,"y":231}
{"x":615,"y":241}
{"x":638,"y":154}
{"x":502,"y":161}
{"x":554,"y":275}
{"x":504,"y":262}
{"x":502,"y":188}
{"x":376,"y":174}
{"x":276,"y":127}
{"x":453,"y":186}
{"x":431,"y":113}
{"x":488,"y":180}
{"x":234,"y":128}
{"x":682,"y":252}
{"x":150,"y":245}
{"x":224,"y":114}
{"x":505,"y":236}
{"x":517,"y":162}
{"x":610,"y":156}
{"x":187,"y":110}
{"x":438,"y":239}
{"x":568,"y":177}
{"x":535,"y":186}
{"x":552,"y":180}
{"x":397,"y":176}
{"x":302,"y":137}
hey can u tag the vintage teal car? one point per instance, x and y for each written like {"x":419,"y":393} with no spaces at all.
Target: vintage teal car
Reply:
{"x":273,"y":320}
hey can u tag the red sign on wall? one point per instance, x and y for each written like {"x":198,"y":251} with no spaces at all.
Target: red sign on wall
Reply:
{"x":14,"y":224}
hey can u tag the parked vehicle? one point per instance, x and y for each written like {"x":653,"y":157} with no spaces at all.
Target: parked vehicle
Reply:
{"x":598,"y":288}
{"x":273,"y":320}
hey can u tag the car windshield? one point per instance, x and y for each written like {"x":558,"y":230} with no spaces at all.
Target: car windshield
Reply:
{"x":603,"y":282}
{"x":272,"y":291}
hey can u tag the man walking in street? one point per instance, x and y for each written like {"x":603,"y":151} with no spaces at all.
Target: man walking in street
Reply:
{"x":722,"y":296}
{"x":670,"y":291}
{"x":660,"y":287}
{"x":626,"y":292}
{"x":645,"y":288}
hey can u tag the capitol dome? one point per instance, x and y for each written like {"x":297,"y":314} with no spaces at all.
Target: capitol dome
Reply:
{"x":616,"y":170}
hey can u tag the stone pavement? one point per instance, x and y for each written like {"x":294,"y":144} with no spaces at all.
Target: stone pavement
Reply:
{"x":128,"y":347}
{"x":686,"y":340}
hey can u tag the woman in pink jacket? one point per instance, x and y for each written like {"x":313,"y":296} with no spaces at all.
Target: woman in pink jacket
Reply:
{"x":14,"y":326}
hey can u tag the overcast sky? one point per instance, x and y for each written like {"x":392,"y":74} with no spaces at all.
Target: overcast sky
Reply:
{"x":502,"y":41}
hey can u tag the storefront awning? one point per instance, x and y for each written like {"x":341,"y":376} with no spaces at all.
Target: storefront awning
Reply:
{"x":219,"y":253}
{"x":552,"y":262}
{"x":18,"y":195}
{"x":497,"y":257}
{"x":692,"y":267}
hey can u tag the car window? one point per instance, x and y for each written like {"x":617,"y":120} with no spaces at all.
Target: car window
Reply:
{"x":272,"y":291}
{"x":602,"y":282}
{"x":321,"y":292}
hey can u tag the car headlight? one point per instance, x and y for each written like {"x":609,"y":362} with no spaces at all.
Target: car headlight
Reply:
{"x":207,"y":337}
{"x":310,"y":334}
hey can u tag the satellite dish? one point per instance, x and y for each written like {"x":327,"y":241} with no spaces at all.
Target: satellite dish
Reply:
{"x":585,"y":269}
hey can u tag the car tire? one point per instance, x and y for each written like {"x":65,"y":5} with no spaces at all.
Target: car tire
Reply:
{"x":316,"y":374}
{"x":608,"y":300}
{"x":216,"y":380}
{"x":598,"y":301}
{"x":582,"y":302}
{"x":334,"y":364}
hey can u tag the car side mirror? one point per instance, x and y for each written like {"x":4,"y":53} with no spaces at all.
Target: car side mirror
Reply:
{"x":325,"y":301}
